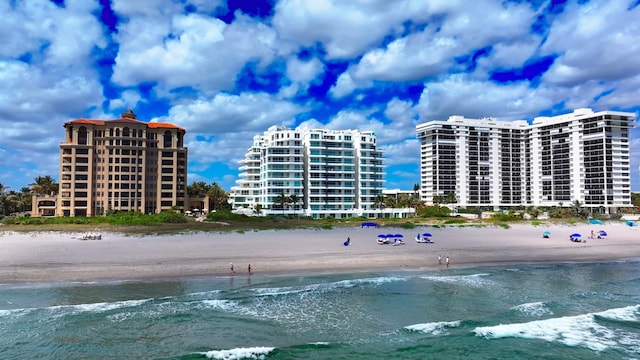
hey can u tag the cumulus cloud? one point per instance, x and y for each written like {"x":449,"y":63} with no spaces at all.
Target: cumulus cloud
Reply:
{"x":460,"y":95}
{"x":434,"y":50}
{"x":596,"y":41}
{"x":190,"y":50}
{"x":227,"y":113}
{"x":345,"y":28}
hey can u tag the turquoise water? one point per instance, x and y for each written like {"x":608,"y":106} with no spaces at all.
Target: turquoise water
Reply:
{"x":557,"y":311}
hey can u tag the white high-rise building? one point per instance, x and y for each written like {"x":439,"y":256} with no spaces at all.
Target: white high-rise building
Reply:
{"x":332,"y":173}
{"x":555,"y":161}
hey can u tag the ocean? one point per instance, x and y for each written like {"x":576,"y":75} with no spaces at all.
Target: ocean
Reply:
{"x":532,"y":311}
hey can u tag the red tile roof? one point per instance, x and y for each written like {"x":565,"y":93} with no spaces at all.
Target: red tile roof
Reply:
{"x":152,"y":125}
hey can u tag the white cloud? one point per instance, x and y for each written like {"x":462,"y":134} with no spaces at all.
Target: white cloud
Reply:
{"x":596,"y":41}
{"x":303,"y":71}
{"x":227,"y":113}
{"x":344,"y":86}
{"x":191,"y":51}
{"x":346,"y":28}
{"x":625,"y":94}
{"x":460,"y":95}
{"x":55,"y":35}
{"x":512,"y":54}
{"x":403,"y":152}
{"x":28,"y":92}
{"x":433,"y":51}
{"x":128,"y":99}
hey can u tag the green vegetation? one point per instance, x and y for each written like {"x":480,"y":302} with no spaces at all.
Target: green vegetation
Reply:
{"x":118,"y":218}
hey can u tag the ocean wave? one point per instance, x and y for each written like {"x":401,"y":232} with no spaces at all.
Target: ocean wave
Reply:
{"x":224,"y":305}
{"x":62,"y":310}
{"x":533,"y":309}
{"x":580,"y":330}
{"x":474,"y":280}
{"x":433,"y":328}
{"x":239,"y":353}
{"x":629,"y":313}
{"x":325,"y":287}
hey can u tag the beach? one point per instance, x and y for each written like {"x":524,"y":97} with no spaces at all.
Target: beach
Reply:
{"x":64,"y":256}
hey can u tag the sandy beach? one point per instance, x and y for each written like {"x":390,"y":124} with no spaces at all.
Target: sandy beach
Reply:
{"x":60,"y":256}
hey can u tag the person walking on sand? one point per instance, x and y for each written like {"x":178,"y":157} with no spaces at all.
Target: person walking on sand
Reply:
{"x":249,"y":269}
{"x":439,"y":259}
{"x":447,"y":261}
{"x":231,"y":270}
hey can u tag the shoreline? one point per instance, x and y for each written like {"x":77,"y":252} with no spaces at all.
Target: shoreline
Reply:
{"x":40,"y":257}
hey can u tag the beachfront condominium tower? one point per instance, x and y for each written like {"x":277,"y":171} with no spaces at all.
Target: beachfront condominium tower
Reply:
{"x":122,"y":164}
{"x":330,"y":173}
{"x":553,"y":161}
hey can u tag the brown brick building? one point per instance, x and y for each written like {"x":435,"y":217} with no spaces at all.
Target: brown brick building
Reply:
{"x":122,"y":164}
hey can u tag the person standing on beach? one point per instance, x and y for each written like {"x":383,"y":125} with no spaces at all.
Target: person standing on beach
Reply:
{"x":439,"y":259}
{"x":249,"y":269}
{"x":231,"y":270}
{"x":447,"y":261}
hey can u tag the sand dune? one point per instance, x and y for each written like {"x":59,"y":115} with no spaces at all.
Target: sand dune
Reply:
{"x":56,"y":256}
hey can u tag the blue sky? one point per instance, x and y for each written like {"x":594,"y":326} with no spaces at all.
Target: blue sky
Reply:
{"x":228,"y":70}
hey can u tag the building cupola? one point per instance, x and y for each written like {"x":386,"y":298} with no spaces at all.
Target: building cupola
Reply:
{"x":128,"y":114}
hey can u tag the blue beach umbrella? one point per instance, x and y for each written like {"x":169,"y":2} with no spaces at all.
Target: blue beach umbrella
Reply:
{"x":398,"y":235}
{"x":546,"y":233}
{"x":426,"y":234}
{"x":382,"y":236}
{"x":602,"y":233}
{"x":576,"y":235}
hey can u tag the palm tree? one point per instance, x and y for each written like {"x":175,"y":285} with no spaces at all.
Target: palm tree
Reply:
{"x":379,"y":203}
{"x":217,"y":197}
{"x":197,"y":189}
{"x":450,"y":198}
{"x":3,"y":195}
{"x":576,"y":208}
{"x":416,"y":188}
{"x":294,"y":199}
{"x":25,"y":199}
{"x":44,"y":185}
{"x":281,"y":200}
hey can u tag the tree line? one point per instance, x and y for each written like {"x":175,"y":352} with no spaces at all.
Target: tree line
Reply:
{"x":15,"y":202}
{"x":19,"y":201}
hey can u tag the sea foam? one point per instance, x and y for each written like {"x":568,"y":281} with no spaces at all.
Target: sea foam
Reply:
{"x":474,"y":280}
{"x":324,"y":287}
{"x":580,"y":330}
{"x":433,"y":328}
{"x":239,"y":353}
{"x":533,"y":309}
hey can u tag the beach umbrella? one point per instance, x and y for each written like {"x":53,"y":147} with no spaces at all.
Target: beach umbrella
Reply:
{"x":576,"y":235}
{"x":603,"y":233}
{"x":427,"y":234}
{"x":398,"y":235}
{"x":547,"y":233}
{"x":382,"y":236}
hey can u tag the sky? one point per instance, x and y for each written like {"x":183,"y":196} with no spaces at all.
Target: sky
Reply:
{"x":229,"y":70}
